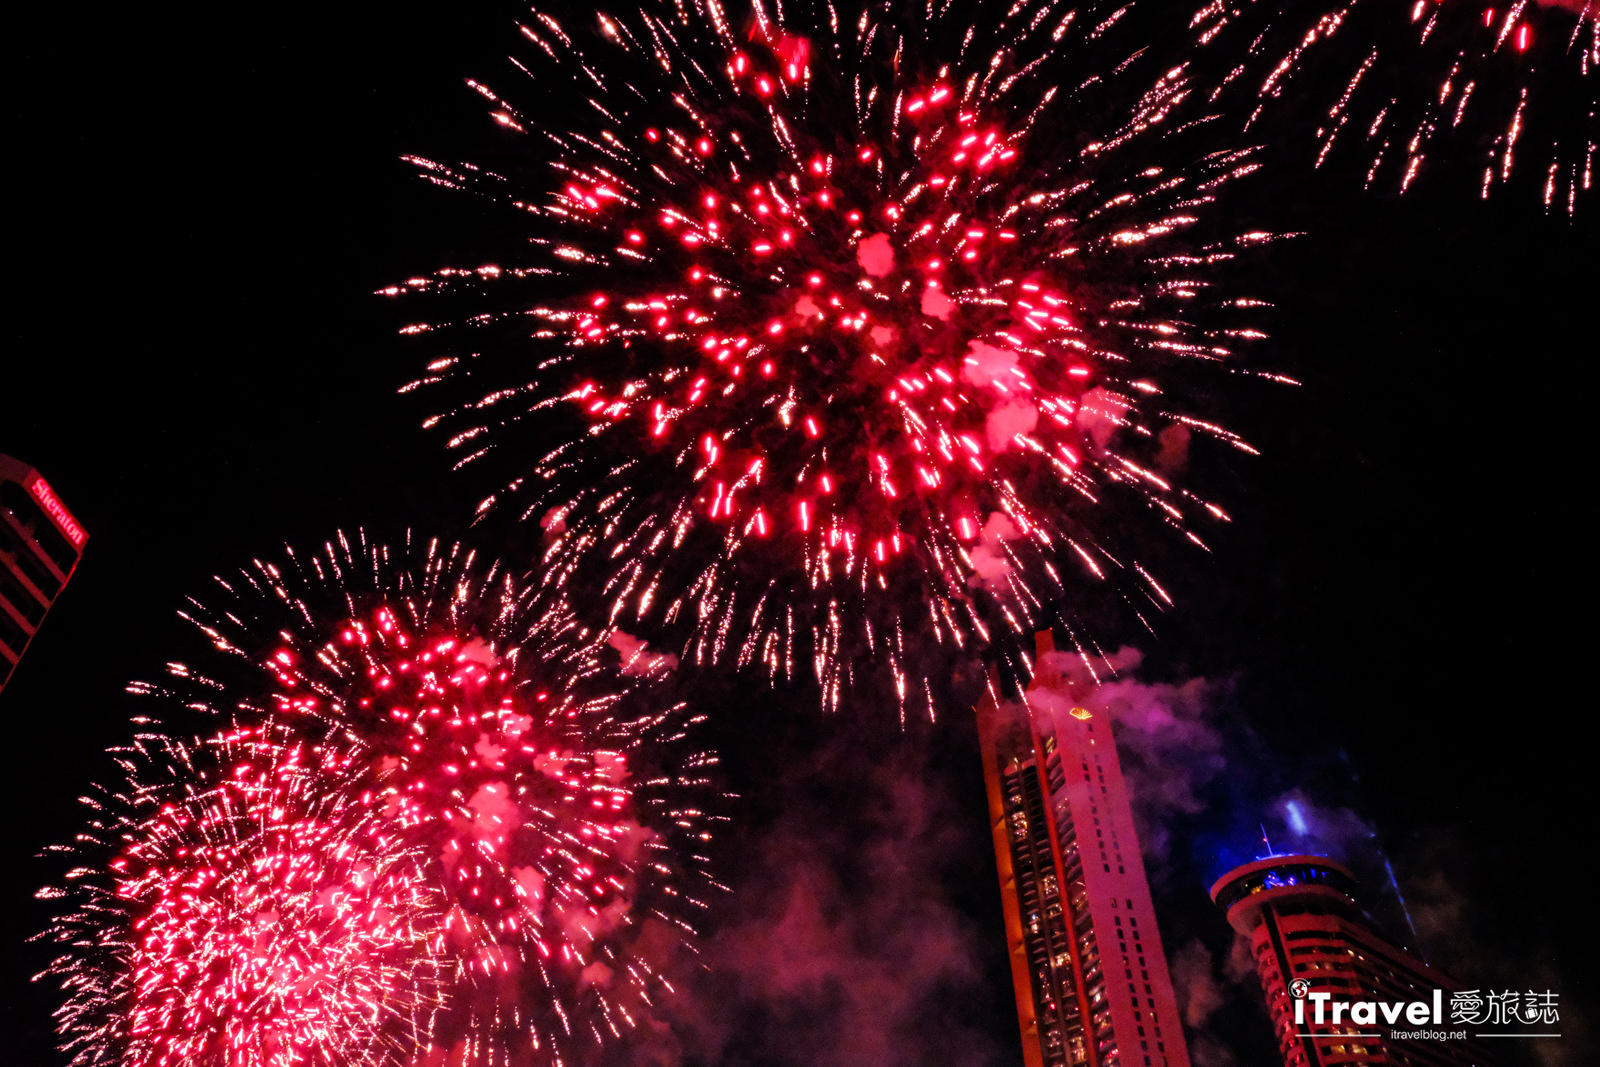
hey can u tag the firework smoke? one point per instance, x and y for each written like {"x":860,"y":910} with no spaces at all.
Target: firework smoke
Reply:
{"x":848,"y":330}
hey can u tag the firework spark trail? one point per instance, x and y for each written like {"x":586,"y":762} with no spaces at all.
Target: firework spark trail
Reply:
{"x":845,"y":326}
{"x":1480,"y":87}
{"x":548,"y":804}
{"x":248,"y":902}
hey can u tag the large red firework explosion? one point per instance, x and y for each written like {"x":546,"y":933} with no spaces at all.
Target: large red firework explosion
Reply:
{"x":845,"y":326}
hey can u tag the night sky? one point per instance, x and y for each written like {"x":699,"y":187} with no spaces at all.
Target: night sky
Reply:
{"x":1398,"y":624}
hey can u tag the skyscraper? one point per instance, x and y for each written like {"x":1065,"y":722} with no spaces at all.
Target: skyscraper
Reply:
{"x":1315,"y":949}
{"x":1091,"y":978}
{"x":40,"y":544}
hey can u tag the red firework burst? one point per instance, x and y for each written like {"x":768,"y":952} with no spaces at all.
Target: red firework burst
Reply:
{"x":861,"y":322}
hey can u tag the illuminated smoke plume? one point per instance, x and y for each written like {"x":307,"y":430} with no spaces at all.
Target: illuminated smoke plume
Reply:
{"x":553,"y":809}
{"x":847,"y":940}
{"x":841,"y":334}
{"x":249,"y":903}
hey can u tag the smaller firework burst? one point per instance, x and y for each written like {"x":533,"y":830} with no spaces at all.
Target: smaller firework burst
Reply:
{"x":249,"y":902}
{"x":549,"y":801}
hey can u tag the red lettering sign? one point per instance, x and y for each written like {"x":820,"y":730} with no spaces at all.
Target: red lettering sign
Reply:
{"x":56,"y":511}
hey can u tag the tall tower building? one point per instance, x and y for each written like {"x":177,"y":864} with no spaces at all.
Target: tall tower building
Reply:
{"x":1313,"y":946}
{"x":40,"y":544}
{"x":1091,"y":978}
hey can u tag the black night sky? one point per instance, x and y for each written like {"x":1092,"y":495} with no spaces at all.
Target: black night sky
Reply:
{"x":1396,"y":623}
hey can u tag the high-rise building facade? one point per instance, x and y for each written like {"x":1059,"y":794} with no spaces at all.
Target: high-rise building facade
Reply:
{"x":1315,"y":951}
{"x":1091,"y":978}
{"x":40,"y":544}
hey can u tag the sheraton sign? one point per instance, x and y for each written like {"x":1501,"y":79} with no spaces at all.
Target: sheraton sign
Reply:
{"x":57,"y":512}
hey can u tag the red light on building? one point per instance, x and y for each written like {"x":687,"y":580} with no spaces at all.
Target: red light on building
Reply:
{"x":1091,"y":977}
{"x":40,"y":545}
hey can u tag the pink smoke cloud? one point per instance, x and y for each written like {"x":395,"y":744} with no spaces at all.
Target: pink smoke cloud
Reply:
{"x":876,"y":255}
{"x":990,"y":563}
{"x":637,"y":661}
{"x":935,"y":304}
{"x":847,"y":948}
{"x":989,"y":366}
{"x":1100,"y":413}
{"x":1016,"y":416}
{"x":1174,"y":454}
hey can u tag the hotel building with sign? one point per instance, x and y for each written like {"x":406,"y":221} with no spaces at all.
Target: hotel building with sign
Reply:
{"x":40,"y":545}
